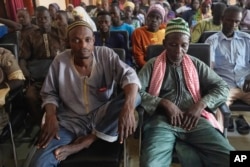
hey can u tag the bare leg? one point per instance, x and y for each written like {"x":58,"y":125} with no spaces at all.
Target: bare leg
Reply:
{"x":80,"y":143}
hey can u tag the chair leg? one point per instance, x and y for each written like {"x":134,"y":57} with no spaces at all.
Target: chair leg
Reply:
{"x":30,"y":155}
{"x":225,"y":132}
{"x":140,"y":140}
{"x":12,"y":136}
{"x":125,"y":156}
{"x":13,"y":143}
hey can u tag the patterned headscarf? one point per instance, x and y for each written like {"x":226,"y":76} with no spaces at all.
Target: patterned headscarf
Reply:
{"x":81,"y":12}
{"x":130,"y":4}
{"x":177,"y":25}
{"x":157,"y":8}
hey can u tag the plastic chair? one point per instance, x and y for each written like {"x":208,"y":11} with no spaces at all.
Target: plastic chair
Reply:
{"x":205,"y":35}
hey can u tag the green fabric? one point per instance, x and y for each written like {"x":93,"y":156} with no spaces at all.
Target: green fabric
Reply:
{"x":202,"y":26}
{"x":177,"y":25}
{"x":202,"y":145}
{"x":209,"y":82}
{"x":199,"y":147}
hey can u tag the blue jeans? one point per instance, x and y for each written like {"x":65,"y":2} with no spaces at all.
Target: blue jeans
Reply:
{"x":202,"y":146}
{"x":45,"y":157}
{"x":106,"y":125}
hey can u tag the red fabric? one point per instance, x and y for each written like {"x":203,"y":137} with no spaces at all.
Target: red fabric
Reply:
{"x":30,"y":6}
{"x":76,"y":2}
{"x":12,"y":6}
{"x":158,"y":74}
{"x":191,"y":79}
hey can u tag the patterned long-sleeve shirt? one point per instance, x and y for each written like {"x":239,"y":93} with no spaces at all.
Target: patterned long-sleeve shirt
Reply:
{"x":38,"y":49}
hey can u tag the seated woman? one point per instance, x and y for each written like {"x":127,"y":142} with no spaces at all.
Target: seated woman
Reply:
{"x":204,"y":12}
{"x":128,"y":15}
{"x":53,"y":8}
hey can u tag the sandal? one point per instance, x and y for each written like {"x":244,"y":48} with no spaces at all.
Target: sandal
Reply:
{"x":242,"y":125}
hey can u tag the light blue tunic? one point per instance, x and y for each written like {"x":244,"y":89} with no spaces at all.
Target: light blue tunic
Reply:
{"x":231,"y":57}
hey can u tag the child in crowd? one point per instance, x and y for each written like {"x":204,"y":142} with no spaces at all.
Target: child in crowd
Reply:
{"x":245,"y":22}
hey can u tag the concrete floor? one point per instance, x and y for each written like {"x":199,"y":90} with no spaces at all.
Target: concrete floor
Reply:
{"x":240,"y":142}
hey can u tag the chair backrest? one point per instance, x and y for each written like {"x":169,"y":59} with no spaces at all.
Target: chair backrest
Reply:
{"x":121,"y":53}
{"x":123,"y":33}
{"x":205,"y":35}
{"x":11,"y":47}
{"x":246,"y":31}
{"x":198,"y":50}
{"x":90,"y":7}
{"x":11,"y":38}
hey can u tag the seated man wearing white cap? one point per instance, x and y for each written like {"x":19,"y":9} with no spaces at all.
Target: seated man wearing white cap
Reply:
{"x":176,"y":89}
{"x":78,"y":98}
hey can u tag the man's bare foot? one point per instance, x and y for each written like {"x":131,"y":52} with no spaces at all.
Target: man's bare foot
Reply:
{"x":80,"y":143}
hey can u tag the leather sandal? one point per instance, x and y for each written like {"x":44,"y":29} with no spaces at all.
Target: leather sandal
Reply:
{"x":242,"y":125}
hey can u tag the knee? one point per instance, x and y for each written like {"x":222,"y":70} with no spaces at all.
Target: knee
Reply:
{"x":32,"y":94}
{"x":42,"y":160}
{"x":148,"y":160}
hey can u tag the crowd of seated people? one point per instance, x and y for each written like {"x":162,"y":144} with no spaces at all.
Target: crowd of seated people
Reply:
{"x":145,"y":24}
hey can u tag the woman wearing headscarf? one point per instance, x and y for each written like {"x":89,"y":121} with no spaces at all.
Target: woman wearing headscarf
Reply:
{"x":81,"y":14}
{"x":128,"y":13}
{"x":204,"y":12}
{"x":69,"y":10}
{"x":53,"y":8}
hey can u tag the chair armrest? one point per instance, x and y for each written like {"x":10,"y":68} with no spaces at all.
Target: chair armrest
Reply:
{"x":140,"y":110}
{"x":10,"y":97}
{"x":226,"y":112}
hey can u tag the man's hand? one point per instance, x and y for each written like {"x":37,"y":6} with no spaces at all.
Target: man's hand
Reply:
{"x":49,"y":130}
{"x":246,"y":86}
{"x":192,"y":116}
{"x":126,"y":123}
{"x":173,"y":113}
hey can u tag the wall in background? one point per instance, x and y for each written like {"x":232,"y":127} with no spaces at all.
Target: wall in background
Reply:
{"x":61,"y":3}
